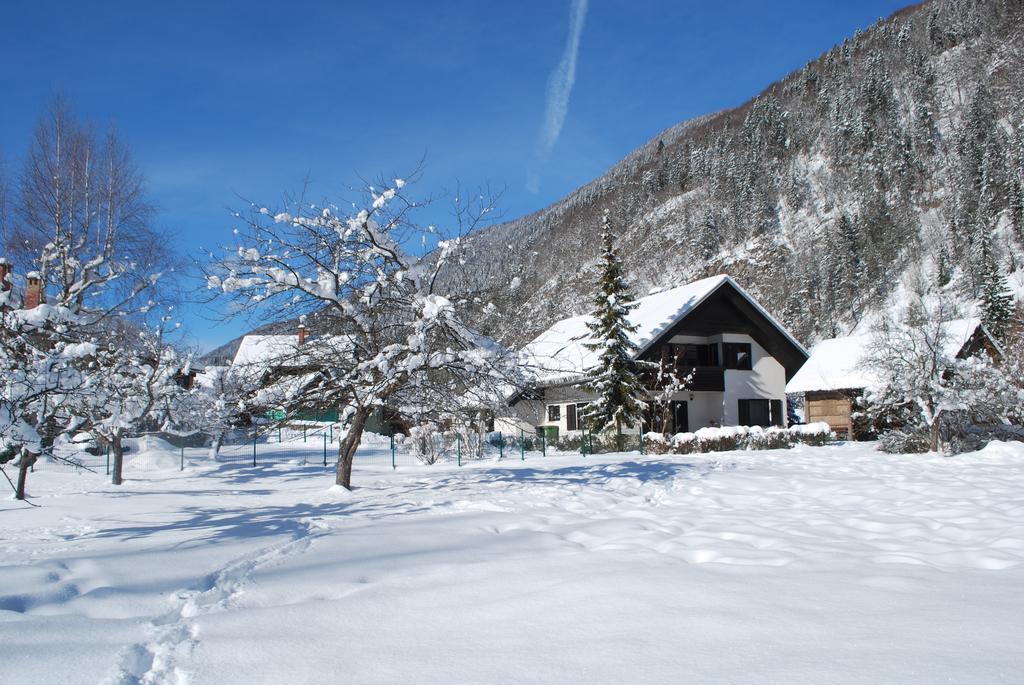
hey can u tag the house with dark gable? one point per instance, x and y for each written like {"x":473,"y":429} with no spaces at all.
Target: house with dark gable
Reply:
{"x":736,"y":359}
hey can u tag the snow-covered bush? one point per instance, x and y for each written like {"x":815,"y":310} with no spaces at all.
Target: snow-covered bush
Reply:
{"x":598,"y":442}
{"x":431,"y":444}
{"x":569,"y":442}
{"x":738,"y":438}
{"x":897,"y":441}
{"x":770,"y":439}
{"x":655,"y":443}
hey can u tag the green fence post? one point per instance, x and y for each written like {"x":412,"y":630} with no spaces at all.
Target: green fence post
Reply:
{"x":590,"y":437}
{"x":182,"y":458}
{"x":279,"y":435}
{"x":583,"y":441}
{"x":392,"y":451}
{"x":458,"y":447}
{"x":325,"y":449}
{"x":108,"y":458}
{"x":544,"y":444}
{"x":641,"y":438}
{"x":303,"y":434}
{"x":501,"y":445}
{"x":254,"y":434}
{"x":332,"y":432}
{"x":522,"y":445}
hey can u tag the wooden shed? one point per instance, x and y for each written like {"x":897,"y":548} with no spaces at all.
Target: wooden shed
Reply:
{"x":834,"y":377}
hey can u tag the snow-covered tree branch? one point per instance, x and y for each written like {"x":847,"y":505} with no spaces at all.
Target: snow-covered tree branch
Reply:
{"x":382,"y":333}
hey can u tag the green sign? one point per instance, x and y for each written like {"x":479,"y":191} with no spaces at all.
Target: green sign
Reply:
{"x":276,"y":414}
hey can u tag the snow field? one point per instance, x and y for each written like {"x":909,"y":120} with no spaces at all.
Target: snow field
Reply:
{"x":830,"y":564}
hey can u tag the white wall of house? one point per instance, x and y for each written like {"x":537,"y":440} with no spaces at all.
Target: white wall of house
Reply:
{"x":704,"y":409}
{"x":765,"y":380}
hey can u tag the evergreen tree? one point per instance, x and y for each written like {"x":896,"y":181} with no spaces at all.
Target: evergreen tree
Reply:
{"x":1017,"y":208}
{"x":616,"y":379}
{"x":943,"y":268}
{"x":997,"y":305}
{"x":709,"y":238}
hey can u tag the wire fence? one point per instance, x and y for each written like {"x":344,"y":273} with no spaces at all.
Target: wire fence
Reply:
{"x":314,"y":444}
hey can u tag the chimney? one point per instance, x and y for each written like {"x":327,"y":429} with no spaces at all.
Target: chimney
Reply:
{"x":302,"y":334}
{"x":5,"y":272}
{"x":33,"y":290}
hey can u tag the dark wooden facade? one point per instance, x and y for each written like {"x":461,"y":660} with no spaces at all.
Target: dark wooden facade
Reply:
{"x":726,"y":311}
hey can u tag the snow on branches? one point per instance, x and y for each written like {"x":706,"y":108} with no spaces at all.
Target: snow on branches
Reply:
{"x":929,"y":392}
{"x":384,"y":335}
{"x":616,"y":379}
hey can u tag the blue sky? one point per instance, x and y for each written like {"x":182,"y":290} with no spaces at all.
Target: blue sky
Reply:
{"x":229,"y":99}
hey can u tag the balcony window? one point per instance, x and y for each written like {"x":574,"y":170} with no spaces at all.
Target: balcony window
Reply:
{"x":695,"y":355}
{"x":554,"y":412}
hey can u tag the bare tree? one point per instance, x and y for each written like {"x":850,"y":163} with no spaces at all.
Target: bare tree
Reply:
{"x":387,"y":335}
{"x":80,"y":219}
{"x":130,"y":381}
{"x":80,"y":213}
{"x":924,"y":387}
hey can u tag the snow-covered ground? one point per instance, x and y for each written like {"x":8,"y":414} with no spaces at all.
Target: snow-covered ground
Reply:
{"x":831,"y":564}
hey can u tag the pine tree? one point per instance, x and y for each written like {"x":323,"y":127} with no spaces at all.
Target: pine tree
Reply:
{"x":943,"y":268}
{"x":996,"y":301}
{"x":616,"y":379}
{"x":1017,"y":208}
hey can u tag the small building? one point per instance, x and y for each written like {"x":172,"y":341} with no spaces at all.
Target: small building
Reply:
{"x":737,"y":357}
{"x":834,"y":377}
{"x":281,"y":368}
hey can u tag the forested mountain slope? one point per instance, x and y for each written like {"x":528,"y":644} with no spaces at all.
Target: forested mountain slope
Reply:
{"x":901,"y":146}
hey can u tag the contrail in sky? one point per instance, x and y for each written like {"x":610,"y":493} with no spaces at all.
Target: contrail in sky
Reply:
{"x":559,"y":88}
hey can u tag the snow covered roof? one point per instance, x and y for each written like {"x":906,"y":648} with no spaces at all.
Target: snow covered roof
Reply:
{"x":560,"y":354}
{"x":264,"y":349}
{"x":835,"y":364}
{"x":262,"y":354}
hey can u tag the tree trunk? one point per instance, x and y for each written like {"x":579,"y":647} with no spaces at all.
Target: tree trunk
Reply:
{"x":347,"y":448}
{"x":118,"y":450}
{"x":215,"y":445}
{"x":24,"y":464}
{"x":934,"y":435}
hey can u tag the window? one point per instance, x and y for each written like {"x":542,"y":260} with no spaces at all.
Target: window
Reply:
{"x":554,"y":412}
{"x":754,"y":413}
{"x":574,"y":415}
{"x":737,"y":356}
{"x":696,"y":355}
{"x":760,"y":413}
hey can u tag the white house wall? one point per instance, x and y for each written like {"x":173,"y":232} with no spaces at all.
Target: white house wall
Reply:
{"x":705,"y":409}
{"x":765,"y":380}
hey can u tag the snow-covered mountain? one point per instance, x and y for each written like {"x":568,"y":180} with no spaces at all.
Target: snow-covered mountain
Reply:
{"x":901,"y":146}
